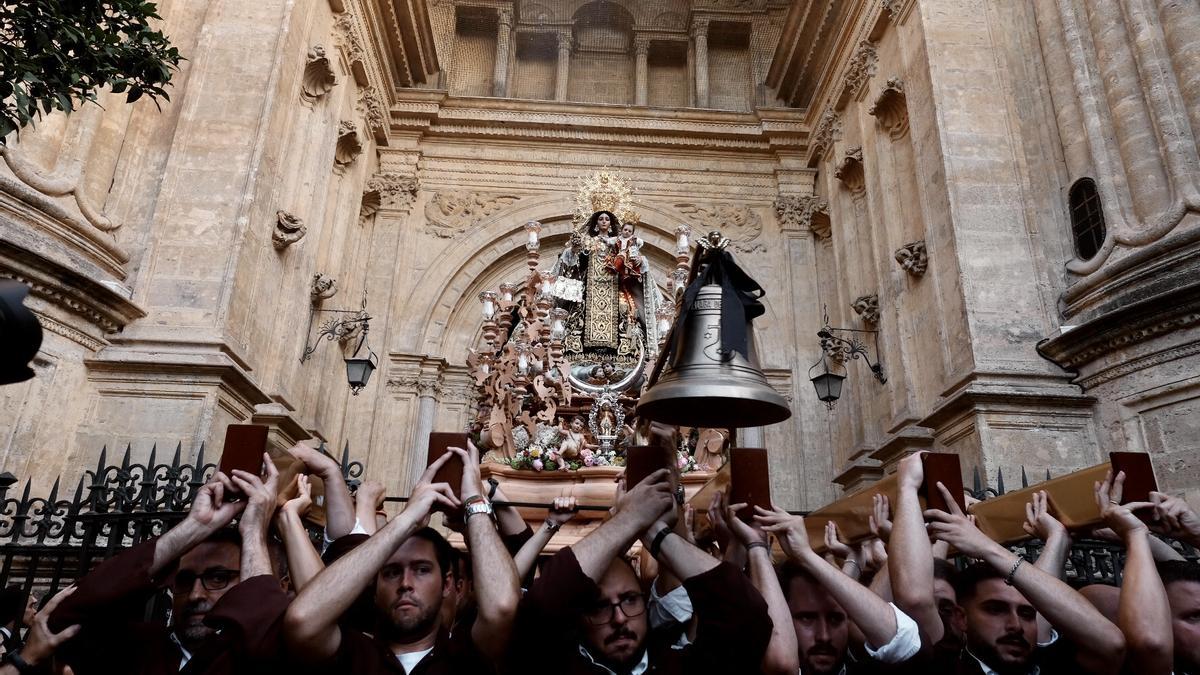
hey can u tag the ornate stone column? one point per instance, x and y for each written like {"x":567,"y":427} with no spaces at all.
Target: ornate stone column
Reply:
{"x":427,"y":390}
{"x":700,"y":42}
{"x":641,"y":48}
{"x":503,"y":37}
{"x":564,"y":65}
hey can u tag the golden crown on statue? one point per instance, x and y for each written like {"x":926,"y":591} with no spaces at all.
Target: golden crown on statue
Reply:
{"x":604,"y":190}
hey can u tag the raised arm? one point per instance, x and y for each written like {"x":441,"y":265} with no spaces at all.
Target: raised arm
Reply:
{"x":644,"y":504}
{"x":41,"y":642}
{"x":1174,"y":518}
{"x":911,"y":555}
{"x":497,"y":587}
{"x":256,"y":517}
{"x":368,"y":499}
{"x":210,"y":512}
{"x":1100,"y":647}
{"x":562,"y":511}
{"x":868,"y":611}
{"x":1057,"y":544}
{"x":303,"y":561}
{"x":311,"y":622}
{"x":1143,"y":613}
{"x":782,"y":655}
{"x":339,"y":505}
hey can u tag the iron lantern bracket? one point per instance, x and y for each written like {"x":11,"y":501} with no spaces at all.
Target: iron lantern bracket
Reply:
{"x":336,"y":328}
{"x":852,"y":348}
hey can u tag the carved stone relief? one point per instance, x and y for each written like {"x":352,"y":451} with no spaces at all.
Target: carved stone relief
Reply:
{"x":349,"y":145}
{"x":829,"y":129}
{"x":861,"y":67}
{"x":741,"y":224}
{"x":891,"y":108}
{"x":348,"y":38}
{"x":804,"y":212}
{"x":388,"y":190}
{"x":850,"y":171}
{"x":288,"y":230}
{"x":913,"y":258}
{"x":323,"y":287}
{"x":372,"y":108}
{"x":318,"y":74}
{"x":867,"y":308}
{"x":451,"y":212}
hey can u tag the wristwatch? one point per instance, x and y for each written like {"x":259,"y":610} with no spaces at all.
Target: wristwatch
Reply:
{"x":23,"y":667}
{"x":475,"y":506}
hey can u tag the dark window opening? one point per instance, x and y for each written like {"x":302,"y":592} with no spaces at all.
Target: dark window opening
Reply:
{"x":1087,"y":218}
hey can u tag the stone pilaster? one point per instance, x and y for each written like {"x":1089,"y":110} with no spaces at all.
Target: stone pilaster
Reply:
{"x":564,"y":65}
{"x":641,"y":48}
{"x":504,"y":26}
{"x":700,"y":43}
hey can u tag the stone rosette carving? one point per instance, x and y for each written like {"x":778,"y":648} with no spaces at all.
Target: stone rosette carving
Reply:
{"x":893,"y":8}
{"x":913,"y":258}
{"x":388,"y":190}
{"x":861,"y":67}
{"x":829,"y":129}
{"x":323,"y":287}
{"x":850,"y":171}
{"x":891,"y":108}
{"x":451,"y":212}
{"x":349,"y":145}
{"x":288,"y":230}
{"x":804,"y":212}
{"x":867,"y":308}
{"x":740,"y":224}
{"x":319,"y":78}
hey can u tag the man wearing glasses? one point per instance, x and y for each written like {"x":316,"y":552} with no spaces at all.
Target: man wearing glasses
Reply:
{"x":589,"y":610}
{"x":225,"y":597}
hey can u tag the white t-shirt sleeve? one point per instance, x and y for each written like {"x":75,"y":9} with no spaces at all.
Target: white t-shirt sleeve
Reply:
{"x":904,"y":644}
{"x":674,"y":607}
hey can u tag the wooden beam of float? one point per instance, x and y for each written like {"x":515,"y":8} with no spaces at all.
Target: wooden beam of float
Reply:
{"x":851,"y":513}
{"x":1071,"y":497}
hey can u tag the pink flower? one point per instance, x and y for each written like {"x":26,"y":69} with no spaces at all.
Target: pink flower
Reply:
{"x":587,"y":460}
{"x":537,"y":465}
{"x":683,"y":460}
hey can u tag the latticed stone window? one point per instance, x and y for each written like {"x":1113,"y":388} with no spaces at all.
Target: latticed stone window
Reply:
{"x":1087,"y":218}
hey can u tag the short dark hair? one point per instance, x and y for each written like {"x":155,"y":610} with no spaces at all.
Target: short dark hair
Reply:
{"x":442,"y":550}
{"x":968,"y":579}
{"x":945,"y":570}
{"x":12,"y":604}
{"x":1178,"y":570}
{"x":789,"y":572}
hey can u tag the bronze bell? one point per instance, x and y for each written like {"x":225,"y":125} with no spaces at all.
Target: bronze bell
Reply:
{"x":705,"y":387}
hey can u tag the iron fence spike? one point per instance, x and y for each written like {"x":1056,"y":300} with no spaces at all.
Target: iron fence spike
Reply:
{"x":1024,"y":478}
{"x":125,"y":459}
{"x":175,"y":459}
{"x":978,"y":483}
{"x":1000,"y":481}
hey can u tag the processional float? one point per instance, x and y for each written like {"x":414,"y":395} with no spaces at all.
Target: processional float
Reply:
{"x":580,"y":355}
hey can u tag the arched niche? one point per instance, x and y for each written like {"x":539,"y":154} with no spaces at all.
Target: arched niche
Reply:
{"x":494,"y":252}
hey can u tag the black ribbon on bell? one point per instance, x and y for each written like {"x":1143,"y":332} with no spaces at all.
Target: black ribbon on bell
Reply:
{"x":709,"y":374}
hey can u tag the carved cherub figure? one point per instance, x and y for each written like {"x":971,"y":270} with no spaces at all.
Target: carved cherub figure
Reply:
{"x":574,"y":438}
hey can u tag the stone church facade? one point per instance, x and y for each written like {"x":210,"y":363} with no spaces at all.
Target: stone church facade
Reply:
{"x":1006,"y":193}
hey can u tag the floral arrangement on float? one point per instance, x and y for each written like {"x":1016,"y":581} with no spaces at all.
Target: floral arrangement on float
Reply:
{"x":566,"y":350}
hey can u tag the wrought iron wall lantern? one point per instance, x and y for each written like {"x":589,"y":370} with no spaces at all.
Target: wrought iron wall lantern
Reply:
{"x":359,"y":365}
{"x":828,"y":373}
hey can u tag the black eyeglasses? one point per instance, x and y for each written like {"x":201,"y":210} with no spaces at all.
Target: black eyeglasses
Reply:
{"x":212,"y":580}
{"x":633,"y":604}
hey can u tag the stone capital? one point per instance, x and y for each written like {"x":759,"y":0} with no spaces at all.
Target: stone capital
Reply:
{"x":641,"y":45}
{"x":699,"y":28}
{"x":504,"y":17}
{"x":565,"y":40}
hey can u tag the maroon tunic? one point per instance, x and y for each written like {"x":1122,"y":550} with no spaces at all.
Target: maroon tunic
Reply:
{"x":732,"y":632}
{"x":110,"y":601}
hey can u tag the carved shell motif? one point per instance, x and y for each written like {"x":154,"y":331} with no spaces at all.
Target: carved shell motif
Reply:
{"x":288,"y":230}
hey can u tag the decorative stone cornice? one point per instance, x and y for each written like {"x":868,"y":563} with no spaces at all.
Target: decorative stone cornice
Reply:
{"x":1125,"y":327}
{"x":804,"y":212}
{"x":454,"y":211}
{"x":891,"y":108}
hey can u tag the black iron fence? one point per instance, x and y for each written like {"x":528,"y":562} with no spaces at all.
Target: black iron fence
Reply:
{"x":46,"y":543}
